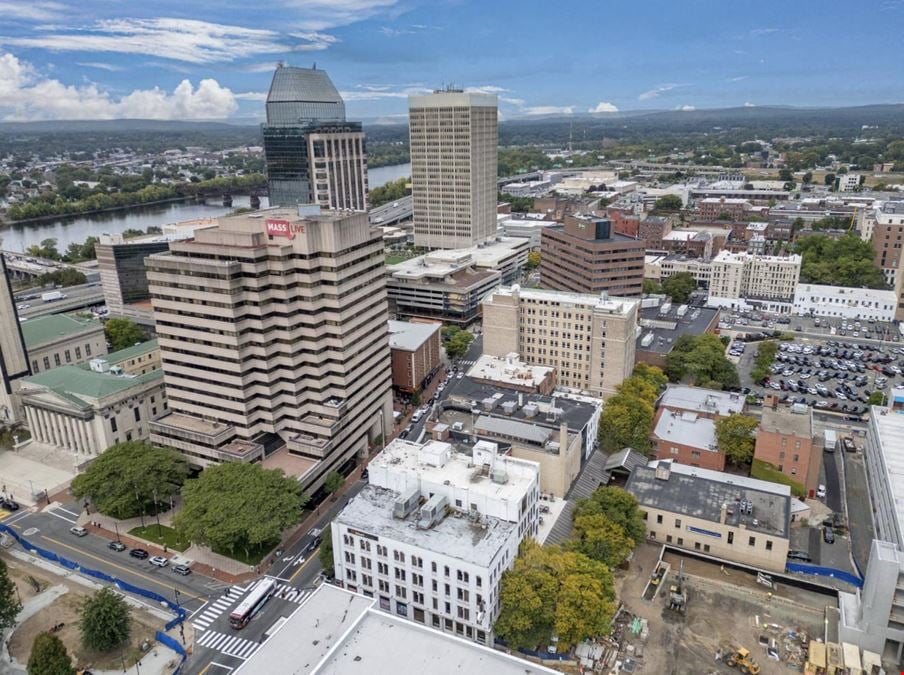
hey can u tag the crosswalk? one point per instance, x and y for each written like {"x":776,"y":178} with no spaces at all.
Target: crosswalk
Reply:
{"x":231,"y":645}
{"x":212,"y":611}
{"x":216,"y":608}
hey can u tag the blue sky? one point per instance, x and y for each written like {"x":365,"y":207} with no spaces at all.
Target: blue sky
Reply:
{"x":212,"y":59}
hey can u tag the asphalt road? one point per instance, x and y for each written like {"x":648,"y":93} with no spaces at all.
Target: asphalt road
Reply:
{"x":389,"y":214}
{"x":50,"y":530}
{"x":219,"y":648}
{"x":77,"y":297}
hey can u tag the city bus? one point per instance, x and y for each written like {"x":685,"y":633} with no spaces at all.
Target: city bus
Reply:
{"x":252,"y":604}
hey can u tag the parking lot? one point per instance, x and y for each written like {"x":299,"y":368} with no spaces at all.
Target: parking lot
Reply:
{"x":829,"y":375}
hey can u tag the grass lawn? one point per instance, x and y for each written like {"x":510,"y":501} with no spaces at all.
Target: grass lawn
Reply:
{"x":254,"y":557}
{"x":765,"y":471}
{"x":396,"y":259}
{"x":165,"y":535}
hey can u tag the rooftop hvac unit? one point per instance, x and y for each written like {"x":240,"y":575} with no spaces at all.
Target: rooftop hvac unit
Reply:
{"x":682,"y":310}
{"x":99,"y":365}
{"x":647,"y":339}
{"x":530,"y":410}
{"x":499,"y":475}
{"x":405,"y":504}
{"x":509,"y":407}
{"x":432,"y":512}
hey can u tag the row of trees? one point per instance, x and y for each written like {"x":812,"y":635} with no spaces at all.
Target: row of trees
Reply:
{"x":678,"y":287}
{"x":456,"y":341}
{"x":229,"y":507}
{"x":392,"y":191}
{"x":627,"y":417}
{"x":122,"y":333}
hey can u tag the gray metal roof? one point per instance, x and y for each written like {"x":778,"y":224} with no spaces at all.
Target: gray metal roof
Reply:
{"x":626,"y":458}
{"x":702,"y":493}
{"x":513,"y":429}
{"x":409,"y":336}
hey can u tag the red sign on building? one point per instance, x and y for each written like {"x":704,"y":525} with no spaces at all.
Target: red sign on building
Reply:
{"x":283,"y":228}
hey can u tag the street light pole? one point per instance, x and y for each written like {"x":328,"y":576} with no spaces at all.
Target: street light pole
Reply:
{"x":116,"y":527}
{"x":140,"y":504}
{"x":157,"y":512}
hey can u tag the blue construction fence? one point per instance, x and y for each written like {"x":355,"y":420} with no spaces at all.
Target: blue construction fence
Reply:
{"x":180,"y":612}
{"x":803,"y":568}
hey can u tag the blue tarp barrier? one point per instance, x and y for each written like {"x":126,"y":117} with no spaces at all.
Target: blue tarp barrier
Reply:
{"x":852,"y":579}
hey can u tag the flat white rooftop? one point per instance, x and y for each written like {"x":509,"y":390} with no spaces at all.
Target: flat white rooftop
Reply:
{"x":409,"y":335}
{"x":407,"y":457}
{"x":440,"y":263}
{"x":336,"y":632}
{"x":508,"y":369}
{"x":890,"y":428}
{"x":702,"y":400}
{"x":602,"y":302}
{"x":687,"y":428}
{"x":741,"y":257}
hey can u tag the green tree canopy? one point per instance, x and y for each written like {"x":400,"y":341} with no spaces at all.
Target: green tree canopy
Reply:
{"x":701,"y":359}
{"x":533,"y":261}
{"x":68,"y":276}
{"x":599,"y":538}
{"x":239,"y":506}
{"x":9,"y":602}
{"x":122,"y":480}
{"x":46,"y":249}
{"x":105,"y":620}
{"x":333,"y":482}
{"x":392,"y":191}
{"x":618,"y":506}
{"x":843,"y":261}
{"x":627,"y":416}
{"x":551,"y":591}
{"x":679,"y":287}
{"x":668,"y":203}
{"x":736,"y":439}
{"x":49,"y":657}
{"x":325,"y":553}
{"x":456,"y":341}
{"x":122,"y":333}
{"x":650,"y":287}
{"x":651,"y":374}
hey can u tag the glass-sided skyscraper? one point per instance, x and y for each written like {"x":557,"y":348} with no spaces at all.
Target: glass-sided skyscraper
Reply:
{"x":306,"y":138}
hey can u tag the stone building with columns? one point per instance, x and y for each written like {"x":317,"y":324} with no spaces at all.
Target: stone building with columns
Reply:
{"x":87,"y":408}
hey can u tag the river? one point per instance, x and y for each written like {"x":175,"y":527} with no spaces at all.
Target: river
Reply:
{"x":77,"y":229}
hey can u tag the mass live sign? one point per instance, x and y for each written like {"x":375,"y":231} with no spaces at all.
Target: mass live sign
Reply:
{"x":283,"y":228}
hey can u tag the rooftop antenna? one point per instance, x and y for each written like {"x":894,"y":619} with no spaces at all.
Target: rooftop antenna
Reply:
{"x":314,"y":67}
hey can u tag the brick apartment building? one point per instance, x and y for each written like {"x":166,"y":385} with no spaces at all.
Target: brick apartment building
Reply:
{"x":785,"y":441}
{"x":415,"y":353}
{"x":687,"y":438}
{"x":585,"y":256}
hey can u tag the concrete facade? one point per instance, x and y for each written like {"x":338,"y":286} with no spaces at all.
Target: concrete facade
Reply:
{"x":585,"y":256}
{"x":845,"y":303}
{"x":13,"y":356}
{"x":588,"y":339}
{"x":453,"y":138}
{"x":731,"y":517}
{"x":273,"y":329}
{"x":740,"y":279}
{"x":59,"y":339}
{"x":433,"y":532}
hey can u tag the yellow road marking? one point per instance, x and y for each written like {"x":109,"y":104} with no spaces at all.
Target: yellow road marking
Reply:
{"x":5,"y":514}
{"x":304,"y":564}
{"x":120,"y":567}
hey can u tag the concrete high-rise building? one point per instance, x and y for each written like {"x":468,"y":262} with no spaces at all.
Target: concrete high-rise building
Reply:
{"x":585,"y":256}
{"x":454,"y":138}
{"x":273,"y":332}
{"x":588,"y":339}
{"x":13,"y":358}
{"x":314,"y":156}
{"x":741,"y":281}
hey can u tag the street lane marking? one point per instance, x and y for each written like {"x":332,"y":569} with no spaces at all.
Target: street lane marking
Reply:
{"x":120,"y":567}
{"x":308,"y":562}
{"x":54,"y":513}
{"x":231,"y":645}
{"x":214,"y":610}
{"x":60,"y":508}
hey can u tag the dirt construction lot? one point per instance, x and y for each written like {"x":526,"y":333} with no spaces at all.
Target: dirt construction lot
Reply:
{"x":65,"y":609}
{"x":723,"y":610}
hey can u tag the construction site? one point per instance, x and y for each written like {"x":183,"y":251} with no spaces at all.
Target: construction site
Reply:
{"x":685,"y":615}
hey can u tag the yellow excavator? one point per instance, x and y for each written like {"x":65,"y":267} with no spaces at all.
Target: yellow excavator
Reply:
{"x":740,"y":658}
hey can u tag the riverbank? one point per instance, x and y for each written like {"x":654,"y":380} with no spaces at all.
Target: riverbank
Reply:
{"x":93,"y":212}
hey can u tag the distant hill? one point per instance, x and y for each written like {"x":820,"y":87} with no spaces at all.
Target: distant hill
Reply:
{"x":116,"y":126}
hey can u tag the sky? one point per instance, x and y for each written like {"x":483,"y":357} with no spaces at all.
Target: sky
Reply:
{"x":213,"y":59}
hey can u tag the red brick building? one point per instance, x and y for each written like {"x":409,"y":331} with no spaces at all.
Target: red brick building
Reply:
{"x":415,"y":350}
{"x":785,"y":441}
{"x":687,"y":438}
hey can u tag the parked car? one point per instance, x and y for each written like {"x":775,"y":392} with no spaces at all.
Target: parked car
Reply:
{"x":139,"y":553}
{"x":78,"y":531}
{"x":828,"y":535}
{"x":9,"y":504}
{"x":159,"y":561}
{"x":116,"y":546}
{"x":821,"y":492}
{"x":184,"y":570}
{"x":799,"y":555}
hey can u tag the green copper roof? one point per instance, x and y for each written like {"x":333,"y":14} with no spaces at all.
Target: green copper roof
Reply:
{"x":68,"y":380}
{"x":130,"y":352}
{"x":44,"y":329}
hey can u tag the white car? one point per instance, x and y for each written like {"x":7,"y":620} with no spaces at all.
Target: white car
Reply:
{"x":821,"y":492}
{"x":159,"y":561}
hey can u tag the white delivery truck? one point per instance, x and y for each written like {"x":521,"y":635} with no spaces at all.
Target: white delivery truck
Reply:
{"x":831,"y":440}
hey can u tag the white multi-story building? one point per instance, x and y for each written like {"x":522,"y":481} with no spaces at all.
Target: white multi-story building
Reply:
{"x":434,"y":530}
{"x":745,"y":281}
{"x":848,"y":182}
{"x":873,"y":617}
{"x":844,"y":303}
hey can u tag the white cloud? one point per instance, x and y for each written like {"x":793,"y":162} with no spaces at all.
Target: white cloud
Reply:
{"x":766,"y":31}
{"x":251,"y":96}
{"x":686,"y":108}
{"x":654,"y":93}
{"x":739,"y":78}
{"x":549,"y":110}
{"x":187,"y":40}
{"x":26,"y":95}
{"x":32,"y":11}
{"x":325,"y":14}
{"x":100,"y":66}
{"x":375,"y":92}
{"x":604,"y":107}
{"x":314,"y":41}
{"x":748,"y":104}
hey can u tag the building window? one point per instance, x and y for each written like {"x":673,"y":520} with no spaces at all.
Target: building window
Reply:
{"x":677,"y":522}
{"x":668,"y":538}
{"x":68,"y":356}
{"x":78,"y":353}
{"x":680,"y":541}
{"x":128,"y":436}
{"x":696,"y":545}
{"x":659,"y":519}
{"x":46,"y":362}
{"x":768,"y":544}
{"x":751,"y":541}
{"x":87,"y":349}
{"x":113,"y":426}
{"x":706,"y":548}
{"x":731,"y":537}
{"x":137,"y":413}
{"x":56,"y":359}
